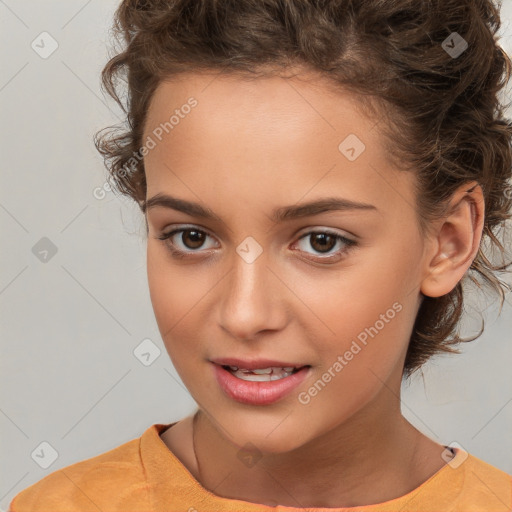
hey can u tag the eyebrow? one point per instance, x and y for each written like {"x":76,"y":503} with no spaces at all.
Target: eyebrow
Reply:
{"x":316,"y":207}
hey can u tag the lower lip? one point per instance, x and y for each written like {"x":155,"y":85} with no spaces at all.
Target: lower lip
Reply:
{"x":258,"y":393}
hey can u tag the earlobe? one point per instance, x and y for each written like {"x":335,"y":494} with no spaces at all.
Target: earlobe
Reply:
{"x":457,"y":240}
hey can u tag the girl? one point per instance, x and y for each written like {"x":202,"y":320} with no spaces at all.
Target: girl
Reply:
{"x":318,"y":180}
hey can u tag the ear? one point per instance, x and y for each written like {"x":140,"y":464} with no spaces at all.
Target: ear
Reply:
{"x":455,"y":240}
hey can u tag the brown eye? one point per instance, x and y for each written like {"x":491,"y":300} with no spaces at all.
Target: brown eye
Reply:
{"x":185,"y":241}
{"x":192,"y":239}
{"x":322,"y":242}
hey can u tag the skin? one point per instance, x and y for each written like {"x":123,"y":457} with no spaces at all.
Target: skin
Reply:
{"x":246,"y":148}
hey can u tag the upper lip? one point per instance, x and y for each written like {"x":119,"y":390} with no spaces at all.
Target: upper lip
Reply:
{"x":254,"y":364}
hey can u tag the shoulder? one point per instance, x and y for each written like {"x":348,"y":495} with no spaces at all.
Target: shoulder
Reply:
{"x":485,"y":487}
{"x":99,"y":483}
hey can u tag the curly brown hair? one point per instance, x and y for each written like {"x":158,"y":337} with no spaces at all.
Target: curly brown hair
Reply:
{"x":438,"y":92}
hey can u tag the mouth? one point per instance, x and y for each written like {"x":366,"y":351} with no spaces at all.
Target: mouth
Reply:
{"x":258,"y":382}
{"x":263,"y":374}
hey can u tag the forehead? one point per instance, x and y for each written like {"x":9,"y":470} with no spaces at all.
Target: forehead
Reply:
{"x":303,"y":102}
{"x":249,"y":134}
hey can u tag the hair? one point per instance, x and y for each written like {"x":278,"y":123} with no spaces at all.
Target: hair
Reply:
{"x":444,"y":119}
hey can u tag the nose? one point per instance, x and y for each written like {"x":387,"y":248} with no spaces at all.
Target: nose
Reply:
{"x":252,"y":299}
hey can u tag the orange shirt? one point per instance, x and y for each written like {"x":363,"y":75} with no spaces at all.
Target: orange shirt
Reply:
{"x":143,"y":475}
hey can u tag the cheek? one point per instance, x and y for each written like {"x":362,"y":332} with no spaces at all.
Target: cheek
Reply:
{"x":180,"y":297}
{"x":173,"y":299}
{"x":368,"y":344}
{"x":342,"y":305}
{"x":172,"y":291}
{"x":364,"y":313}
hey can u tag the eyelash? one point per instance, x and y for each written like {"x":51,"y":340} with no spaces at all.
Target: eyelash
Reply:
{"x":177,"y":253}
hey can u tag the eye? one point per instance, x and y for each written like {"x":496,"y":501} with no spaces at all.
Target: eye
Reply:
{"x":323,"y":242}
{"x":191,"y":240}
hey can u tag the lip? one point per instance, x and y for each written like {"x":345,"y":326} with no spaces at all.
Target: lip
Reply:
{"x":258,"y":393}
{"x":254,"y":364}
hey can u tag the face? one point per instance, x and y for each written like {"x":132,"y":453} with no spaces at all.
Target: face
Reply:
{"x":333,"y":288}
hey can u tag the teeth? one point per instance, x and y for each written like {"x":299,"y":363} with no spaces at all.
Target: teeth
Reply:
{"x":261,"y":371}
{"x":262,"y":374}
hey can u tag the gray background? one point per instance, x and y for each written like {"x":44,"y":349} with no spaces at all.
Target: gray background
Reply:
{"x":69,"y":325}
